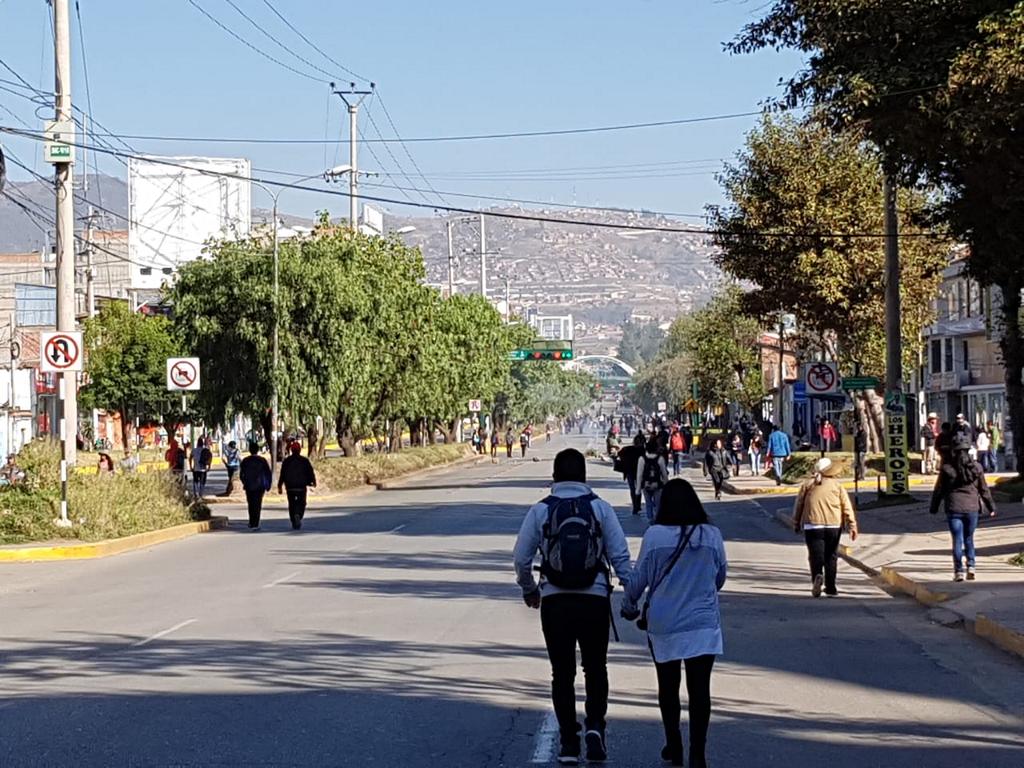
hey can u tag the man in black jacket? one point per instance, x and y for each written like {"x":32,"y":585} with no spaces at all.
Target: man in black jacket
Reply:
{"x":296,"y":476}
{"x":626,"y":462}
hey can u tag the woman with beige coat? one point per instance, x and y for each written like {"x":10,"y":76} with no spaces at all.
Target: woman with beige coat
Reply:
{"x":821,"y":511}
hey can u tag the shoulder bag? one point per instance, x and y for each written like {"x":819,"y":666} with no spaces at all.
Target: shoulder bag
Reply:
{"x":641,"y":623}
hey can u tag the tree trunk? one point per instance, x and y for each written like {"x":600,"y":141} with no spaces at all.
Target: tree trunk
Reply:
{"x":395,"y":437}
{"x":876,"y":419}
{"x":321,"y":446}
{"x":450,"y":431}
{"x":1012,"y":347}
{"x":266,"y":424}
{"x":126,"y":430}
{"x":312,"y":438}
{"x":415,"y":432}
{"x":343,"y":432}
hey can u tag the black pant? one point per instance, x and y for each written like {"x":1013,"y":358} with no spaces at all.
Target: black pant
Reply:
{"x":568,"y":620}
{"x":698,"y":693}
{"x":823,"y":553}
{"x":255,"y":501}
{"x":296,"y":505}
{"x":508,"y":449}
{"x":717,"y":479}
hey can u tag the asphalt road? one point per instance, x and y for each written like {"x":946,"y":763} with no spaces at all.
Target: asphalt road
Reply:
{"x":390,"y":632}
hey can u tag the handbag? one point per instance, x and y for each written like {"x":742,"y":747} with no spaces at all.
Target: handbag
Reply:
{"x":641,"y":622}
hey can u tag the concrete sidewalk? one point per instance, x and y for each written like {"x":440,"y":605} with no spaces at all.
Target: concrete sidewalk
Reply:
{"x":912,"y":551}
{"x":751,"y":485}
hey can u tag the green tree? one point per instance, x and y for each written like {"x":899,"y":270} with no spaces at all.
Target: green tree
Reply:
{"x":938,"y":86}
{"x":640,"y":344}
{"x":126,"y":354}
{"x":718,"y":347}
{"x":667,"y":381}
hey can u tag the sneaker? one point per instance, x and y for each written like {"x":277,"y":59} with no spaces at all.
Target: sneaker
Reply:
{"x":958,"y":576}
{"x":831,"y":593}
{"x":597,"y":752}
{"x":970,"y":574}
{"x":569,"y":754}
{"x":819,"y":580}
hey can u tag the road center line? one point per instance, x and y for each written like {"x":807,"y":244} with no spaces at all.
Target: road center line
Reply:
{"x":163,"y":633}
{"x":544,"y":749}
{"x":282,"y":580}
{"x":397,"y":528}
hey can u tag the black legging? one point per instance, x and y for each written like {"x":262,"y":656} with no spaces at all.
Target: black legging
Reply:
{"x":698,"y":692}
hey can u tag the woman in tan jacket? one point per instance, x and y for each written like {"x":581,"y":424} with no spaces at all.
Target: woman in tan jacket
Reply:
{"x":821,"y":511}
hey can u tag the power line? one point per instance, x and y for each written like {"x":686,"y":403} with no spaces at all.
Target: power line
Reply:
{"x":275,"y":41}
{"x":249,"y":45}
{"x":387,"y":148}
{"x":387,"y":114}
{"x":88,"y":97}
{"x":511,"y":215}
{"x":313,"y":45}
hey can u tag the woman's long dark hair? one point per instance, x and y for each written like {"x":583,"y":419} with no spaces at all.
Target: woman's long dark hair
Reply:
{"x":680,"y":505}
{"x":966,"y":468}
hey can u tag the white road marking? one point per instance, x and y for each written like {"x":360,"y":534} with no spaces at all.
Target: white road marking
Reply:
{"x":544,"y":749}
{"x":163,"y":633}
{"x":282,"y":580}
{"x":396,"y":529}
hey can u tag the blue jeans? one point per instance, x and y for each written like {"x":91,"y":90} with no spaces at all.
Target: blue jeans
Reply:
{"x":777,"y":462}
{"x":677,"y":462}
{"x":651,"y":499}
{"x":755,"y":463}
{"x":962,"y":527}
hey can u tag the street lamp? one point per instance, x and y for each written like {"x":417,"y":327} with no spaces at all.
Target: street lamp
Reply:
{"x":331,"y":173}
{"x":404,"y":230}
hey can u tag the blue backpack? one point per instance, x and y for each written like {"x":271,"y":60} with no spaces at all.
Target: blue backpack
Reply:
{"x":572,"y":552}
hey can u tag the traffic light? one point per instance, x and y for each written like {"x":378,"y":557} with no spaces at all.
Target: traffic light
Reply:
{"x":551,"y":354}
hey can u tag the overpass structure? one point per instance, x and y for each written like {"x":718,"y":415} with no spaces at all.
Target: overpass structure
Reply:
{"x":610,"y":371}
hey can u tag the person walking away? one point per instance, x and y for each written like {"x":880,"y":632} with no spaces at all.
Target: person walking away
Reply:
{"x":736,"y":452}
{"x":524,"y":443}
{"x":510,"y":440}
{"x":628,"y":460}
{"x":677,"y":444}
{"x":495,"y":440}
{"x":944,"y":444}
{"x":755,"y":449}
{"x":860,"y":454}
{"x":822,"y":510}
{"x":652,"y":472}
{"x":929,"y":433}
{"x":983,"y":443}
{"x":255,"y":476}
{"x":529,"y":435}
{"x":828,"y":436}
{"x":577,"y":534}
{"x":717,"y":464}
{"x":682,"y":566}
{"x":779,"y":450}
{"x":962,"y":489}
{"x":296,"y":477}
{"x":232,"y":460}
{"x":547,"y":432}
{"x":202,"y":460}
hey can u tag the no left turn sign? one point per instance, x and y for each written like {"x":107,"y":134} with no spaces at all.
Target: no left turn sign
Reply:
{"x":183,"y":374}
{"x":60,"y":351}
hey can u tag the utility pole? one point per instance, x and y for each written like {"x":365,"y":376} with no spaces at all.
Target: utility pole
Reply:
{"x":65,"y":225}
{"x":483,"y":259}
{"x":893,"y":337}
{"x":451,"y":261}
{"x":782,"y":368}
{"x":353,"y":100}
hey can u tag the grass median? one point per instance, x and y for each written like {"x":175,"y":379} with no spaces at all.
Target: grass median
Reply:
{"x":99,"y":507}
{"x":338,"y":474}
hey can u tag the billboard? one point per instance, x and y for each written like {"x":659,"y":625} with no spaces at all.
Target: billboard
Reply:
{"x":176,"y":204}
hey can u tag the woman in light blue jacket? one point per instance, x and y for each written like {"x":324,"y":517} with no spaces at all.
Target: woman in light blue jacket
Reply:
{"x":682,"y":567}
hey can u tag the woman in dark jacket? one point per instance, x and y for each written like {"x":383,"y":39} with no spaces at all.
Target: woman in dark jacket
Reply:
{"x":961,"y":485}
{"x":717,"y":464}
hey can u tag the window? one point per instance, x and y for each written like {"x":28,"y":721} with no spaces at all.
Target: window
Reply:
{"x":146,"y":271}
{"x":936,"y":356}
{"x":947,"y":358}
{"x":966,"y":360}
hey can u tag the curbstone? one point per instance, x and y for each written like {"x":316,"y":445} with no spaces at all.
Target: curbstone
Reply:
{"x":1009,"y":640}
{"x":915,"y":589}
{"x":109,"y":547}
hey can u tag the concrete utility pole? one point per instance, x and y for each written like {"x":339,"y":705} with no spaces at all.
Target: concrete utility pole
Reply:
{"x":782,"y":369}
{"x":353,"y":100}
{"x":893,"y":337}
{"x":483,"y":258}
{"x":451,"y":260}
{"x":65,"y":223}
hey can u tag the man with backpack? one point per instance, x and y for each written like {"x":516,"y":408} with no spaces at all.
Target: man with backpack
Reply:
{"x":296,"y":477}
{"x":652,"y":473}
{"x":577,"y":535}
{"x":524,"y":442}
{"x":677,"y":444}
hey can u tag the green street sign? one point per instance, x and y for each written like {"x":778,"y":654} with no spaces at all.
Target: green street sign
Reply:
{"x":855,"y":383}
{"x":517,"y":355}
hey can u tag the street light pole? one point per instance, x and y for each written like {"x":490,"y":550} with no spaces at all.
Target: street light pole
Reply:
{"x":451,"y":261}
{"x":353,"y":100}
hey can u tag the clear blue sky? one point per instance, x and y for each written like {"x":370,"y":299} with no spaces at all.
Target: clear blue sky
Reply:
{"x":444,"y":68}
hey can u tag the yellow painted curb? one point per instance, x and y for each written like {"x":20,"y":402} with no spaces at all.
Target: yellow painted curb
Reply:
{"x":997,"y":634}
{"x":86,"y":551}
{"x":916,"y":590}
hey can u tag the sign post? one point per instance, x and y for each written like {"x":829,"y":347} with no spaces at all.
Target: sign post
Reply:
{"x":61,"y":352}
{"x":183,"y":376}
{"x":897,"y":461}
